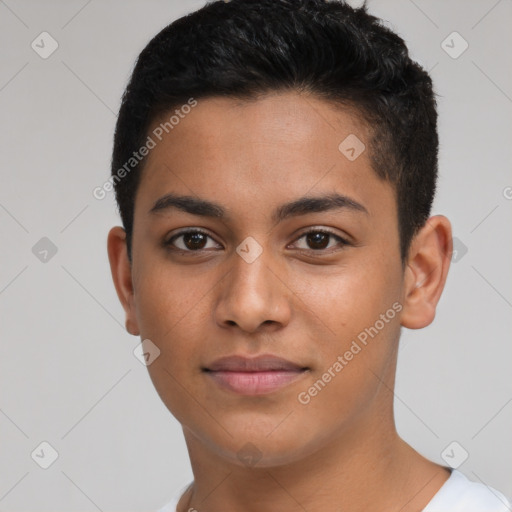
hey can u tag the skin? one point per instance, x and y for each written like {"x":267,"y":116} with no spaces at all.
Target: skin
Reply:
{"x":296,"y":301}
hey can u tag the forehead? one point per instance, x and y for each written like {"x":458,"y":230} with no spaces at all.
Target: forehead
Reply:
{"x":279,"y":146}
{"x":283,"y":121}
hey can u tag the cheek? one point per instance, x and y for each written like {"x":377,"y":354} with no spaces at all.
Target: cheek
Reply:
{"x":172,"y":314}
{"x":346,"y":300}
{"x":358,"y":312}
{"x":167,"y":302}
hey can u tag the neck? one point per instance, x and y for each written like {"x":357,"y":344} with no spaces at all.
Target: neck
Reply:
{"x":367,"y":467}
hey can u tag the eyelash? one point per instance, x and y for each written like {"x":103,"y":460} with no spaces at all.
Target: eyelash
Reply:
{"x":169,"y":243}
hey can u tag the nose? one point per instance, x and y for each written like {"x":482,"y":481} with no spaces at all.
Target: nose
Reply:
{"x":253,"y":296}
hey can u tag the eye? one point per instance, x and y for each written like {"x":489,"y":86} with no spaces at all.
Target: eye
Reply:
{"x":196,"y":240}
{"x":318,"y":240}
{"x":193,"y":240}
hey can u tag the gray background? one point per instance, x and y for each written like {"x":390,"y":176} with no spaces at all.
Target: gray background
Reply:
{"x":68,"y":375}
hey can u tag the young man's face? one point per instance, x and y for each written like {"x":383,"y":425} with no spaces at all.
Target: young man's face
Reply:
{"x":256,"y":285}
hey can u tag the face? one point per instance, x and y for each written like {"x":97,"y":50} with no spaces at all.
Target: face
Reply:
{"x":317,"y":284}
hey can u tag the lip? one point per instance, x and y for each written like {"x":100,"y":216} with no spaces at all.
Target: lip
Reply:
{"x":254,"y":376}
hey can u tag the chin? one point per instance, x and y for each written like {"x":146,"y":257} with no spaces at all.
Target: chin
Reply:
{"x":266,"y":448}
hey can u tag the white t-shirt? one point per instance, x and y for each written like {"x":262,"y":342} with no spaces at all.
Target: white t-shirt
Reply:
{"x":458,"y":494}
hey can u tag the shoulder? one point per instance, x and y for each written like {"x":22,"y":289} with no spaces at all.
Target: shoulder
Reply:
{"x":461,"y":494}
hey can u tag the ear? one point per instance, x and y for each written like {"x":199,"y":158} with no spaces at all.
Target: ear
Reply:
{"x":122,"y":275}
{"x":427,"y":267}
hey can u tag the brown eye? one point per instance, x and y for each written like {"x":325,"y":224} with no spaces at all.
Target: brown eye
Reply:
{"x":194,"y":240}
{"x":319,"y":240}
{"x":190,"y":241}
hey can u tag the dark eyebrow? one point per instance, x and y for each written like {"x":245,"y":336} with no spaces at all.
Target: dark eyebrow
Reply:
{"x":301,"y":206}
{"x":316,"y":204}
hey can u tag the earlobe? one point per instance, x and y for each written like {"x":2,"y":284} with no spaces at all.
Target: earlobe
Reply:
{"x":122,"y":276}
{"x":427,"y":268}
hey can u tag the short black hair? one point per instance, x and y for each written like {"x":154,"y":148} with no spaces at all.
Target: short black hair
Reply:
{"x":244,"y":49}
